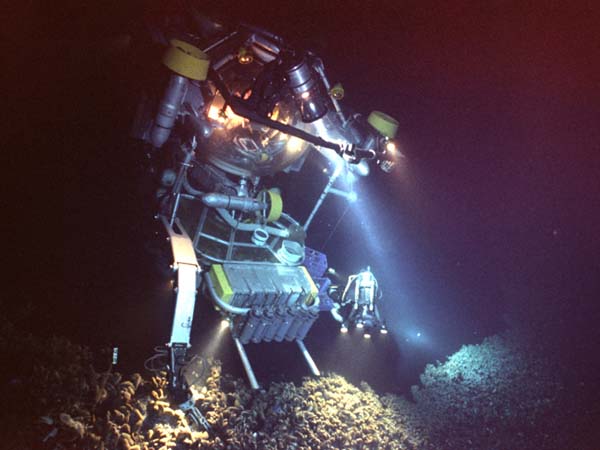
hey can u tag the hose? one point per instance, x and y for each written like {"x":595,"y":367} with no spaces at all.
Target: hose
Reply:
{"x":189,"y":189}
{"x":161,"y":352}
{"x":220,"y":303}
{"x":284,"y":233}
{"x":335,"y":313}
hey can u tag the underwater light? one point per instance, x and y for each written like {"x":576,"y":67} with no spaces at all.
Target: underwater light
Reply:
{"x":391,"y":146}
{"x":383,"y":330}
{"x":367,"y":335}
{"x":360,"y":325}
{"x":294,"y":144}
{"x":245,"y":56}
{"x":360,"y":169}
{"x":343,"y":329}
{"x":215,"y":340}
{"x":306,"y":88}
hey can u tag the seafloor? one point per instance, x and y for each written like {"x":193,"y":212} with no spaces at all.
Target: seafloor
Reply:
{"x":506,"y":393}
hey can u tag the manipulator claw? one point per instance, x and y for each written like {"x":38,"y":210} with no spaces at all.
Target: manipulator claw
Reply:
{"x":385,"y":156}
{"x":193,"y":413}
{"x":353,"y":154}
{"x":373,"y":139}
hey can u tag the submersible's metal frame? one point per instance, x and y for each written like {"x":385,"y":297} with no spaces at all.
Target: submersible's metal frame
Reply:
{"x":186,"y":267}
{"x":189,"y":272}
{"x":190,"y":275}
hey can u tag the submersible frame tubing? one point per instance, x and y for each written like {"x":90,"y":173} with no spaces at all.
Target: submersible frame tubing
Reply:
{"x":246,"y":362}
{"x":311,"y":363}
{"x":237,"y":225}
{"x":328,"y":187}
{"x":219,"y":301}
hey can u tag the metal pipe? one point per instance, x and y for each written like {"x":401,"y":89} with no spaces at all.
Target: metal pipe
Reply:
{"x":168,"y":110}
{"x":246,"y":204}
{"x":307,"y":324}
{"x":219,"y":42}
{"x":266,"y":50}
{"x":189,"y":197}
{"x":185,"y":164}
{"x":334,"y":176}
{"x":335,"y":313}
{"x":284,"y":327}
{"x":292,"y":332}
{"x":250,"y":226}
{"x":278,"y":318}
{"x":227,"y":58}
{"x":220,"y":303}
{"x":246,"y":364}
{"x":348,"y":195}
{"x":264,"y":32}
{"x":311,"y":363}
{"x":189,"y":189}
{"x":247,"y":331}
{"x":260,"y":329}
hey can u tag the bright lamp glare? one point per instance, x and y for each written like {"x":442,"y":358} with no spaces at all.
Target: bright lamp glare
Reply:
{"x":383,"y":331}
{"x":360,"y":169}
{"x":360,"y":325}
{"x":224,"y":324}
{"x":294,"y":144}
{"x":343,"y":329}
{"x":367,"y":336}
{"x":391,"y":146}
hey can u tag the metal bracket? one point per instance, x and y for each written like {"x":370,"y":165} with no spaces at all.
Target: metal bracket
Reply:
{"x":181,"y":244}
{"x":187,"y":268}
{"x":190,"y":409}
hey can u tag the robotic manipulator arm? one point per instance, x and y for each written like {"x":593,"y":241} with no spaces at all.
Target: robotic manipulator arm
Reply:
{"x":357,"y":305}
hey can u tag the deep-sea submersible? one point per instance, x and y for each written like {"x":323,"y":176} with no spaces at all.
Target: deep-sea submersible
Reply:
{"x":229,"y":108}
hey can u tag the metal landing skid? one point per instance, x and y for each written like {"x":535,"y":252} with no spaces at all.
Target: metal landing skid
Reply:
{"x":250,"y":372}
{"x":187,"y":268}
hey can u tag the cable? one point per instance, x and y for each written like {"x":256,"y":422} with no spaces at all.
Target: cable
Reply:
{"x":189,"y":188}
{"x":335,"y":227}
{"x":161,"y":352}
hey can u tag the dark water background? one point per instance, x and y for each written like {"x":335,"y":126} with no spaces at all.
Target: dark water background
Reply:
{"x":492,"y":219}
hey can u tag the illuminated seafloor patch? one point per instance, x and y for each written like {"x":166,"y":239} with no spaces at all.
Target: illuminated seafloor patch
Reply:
{"x":500,"y":394}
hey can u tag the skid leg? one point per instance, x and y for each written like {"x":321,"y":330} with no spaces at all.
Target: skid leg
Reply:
{"x":311,"y":363}
{"x":246,"y":363}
